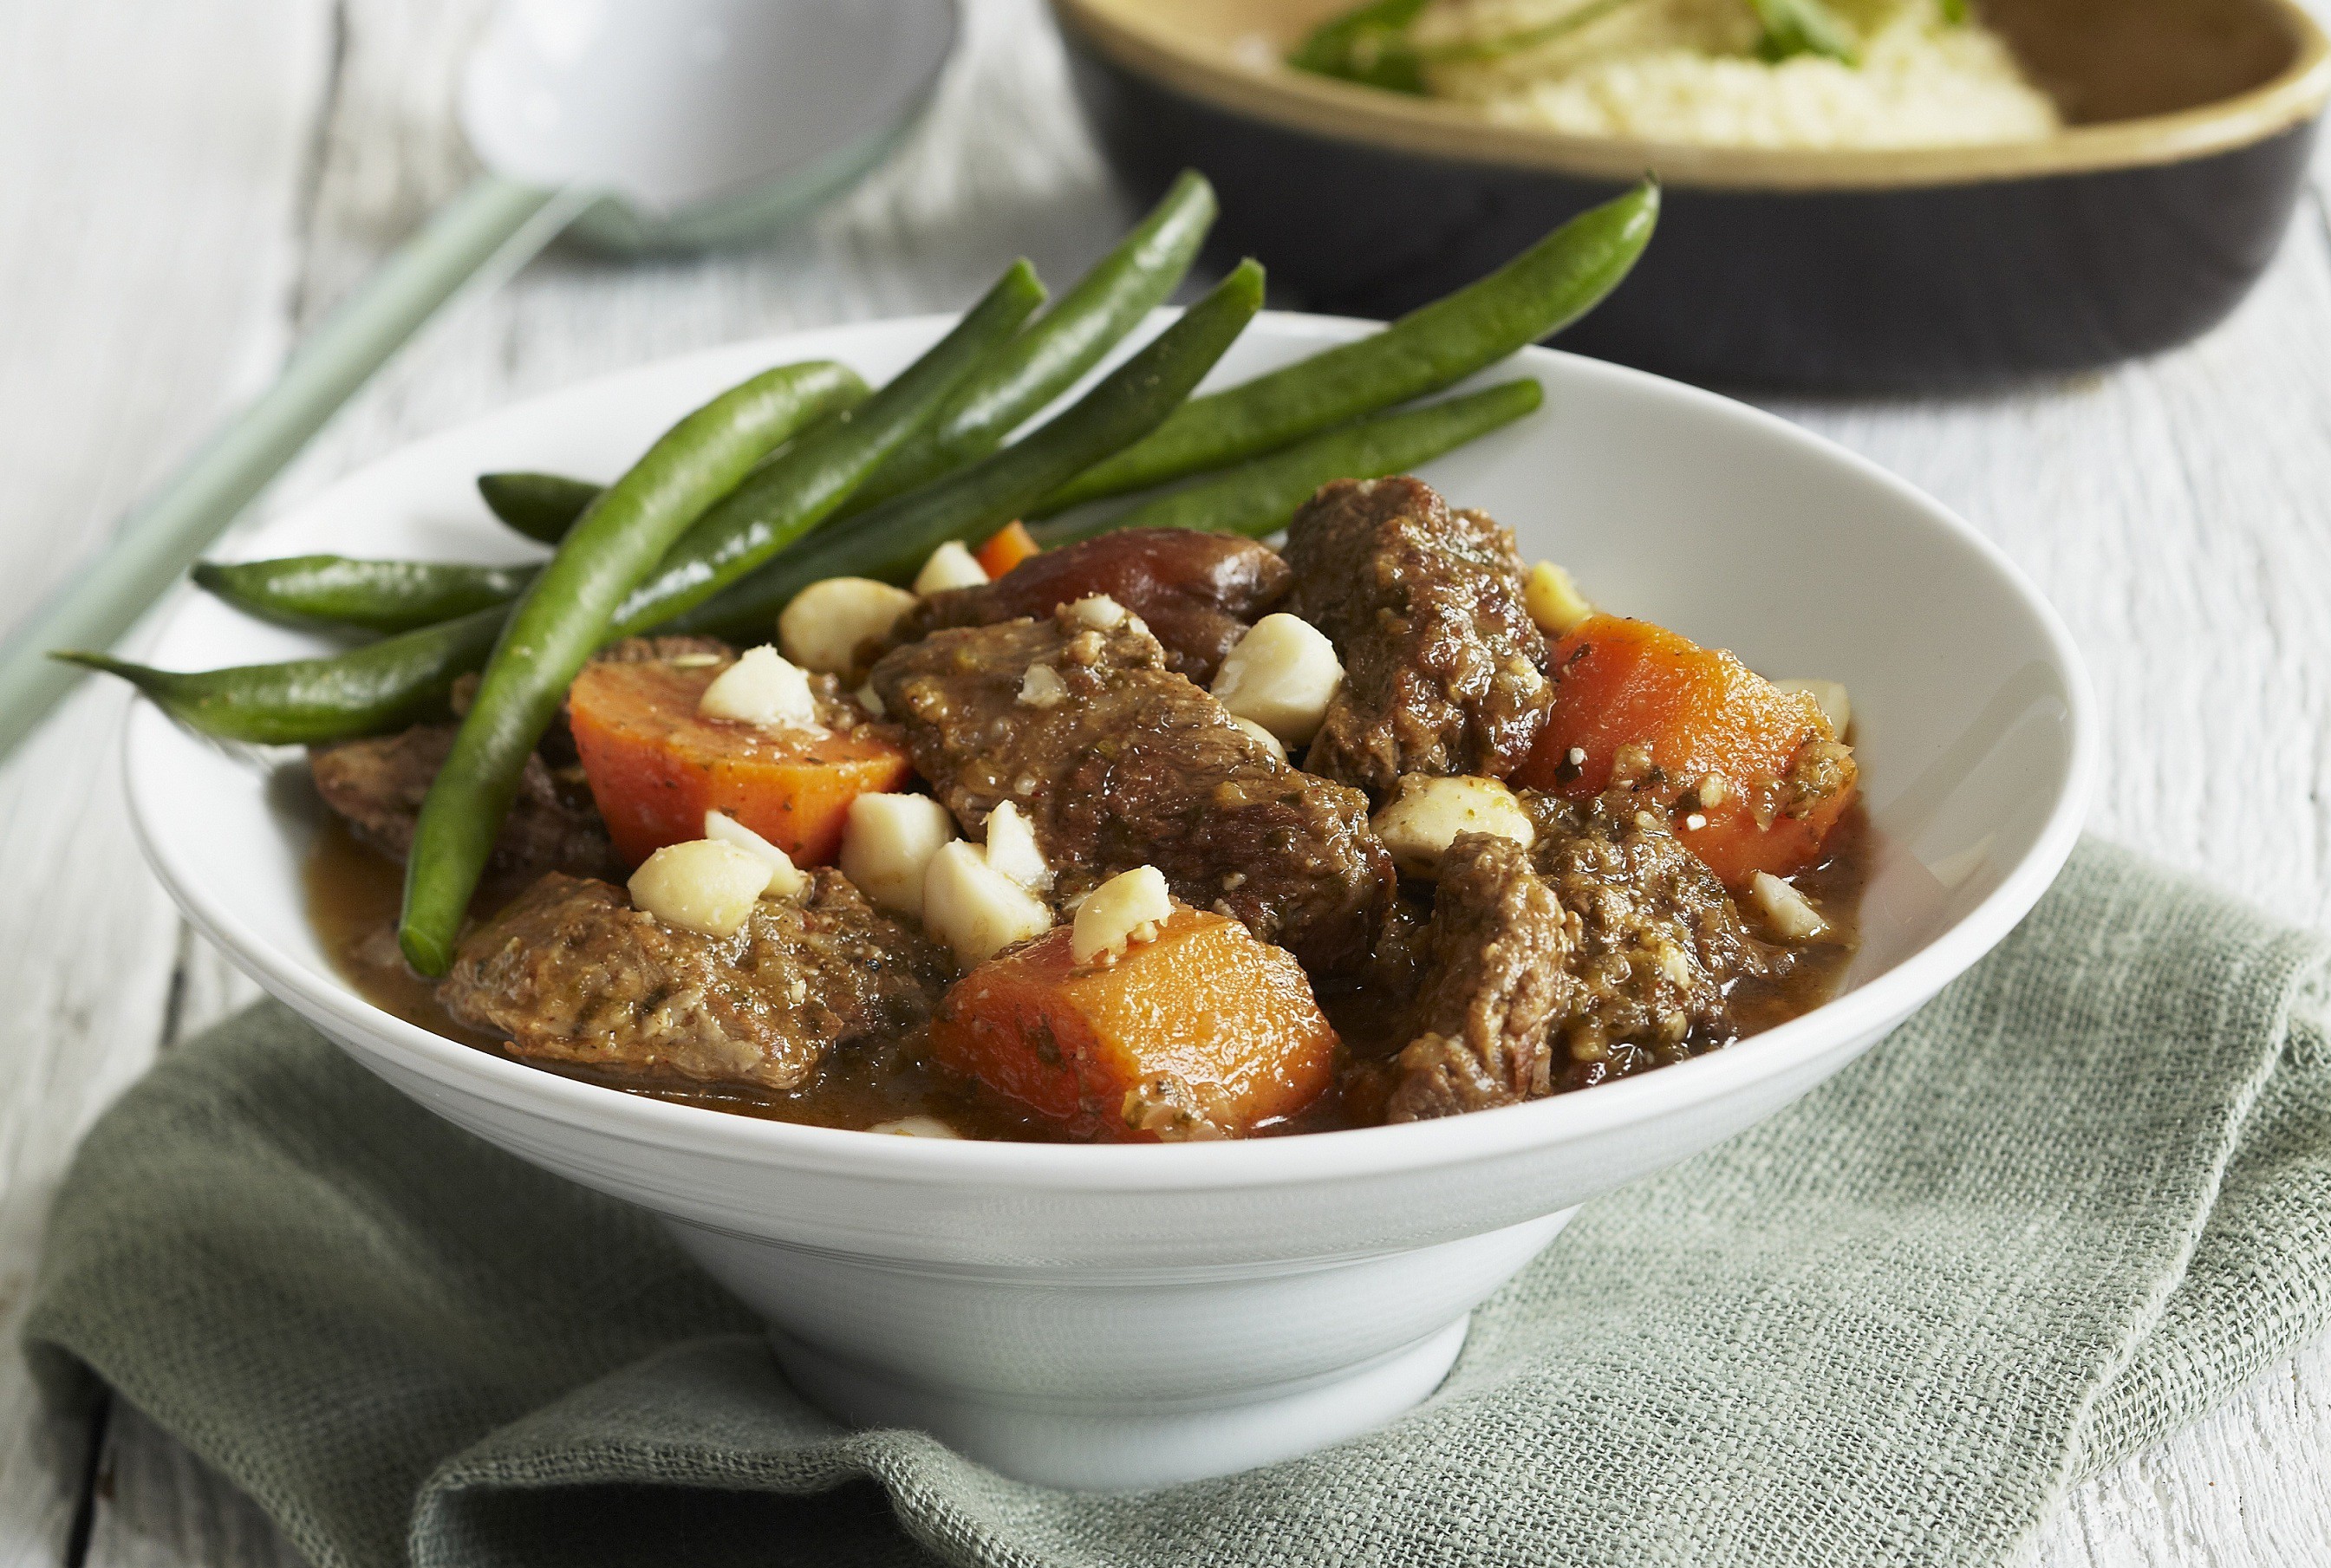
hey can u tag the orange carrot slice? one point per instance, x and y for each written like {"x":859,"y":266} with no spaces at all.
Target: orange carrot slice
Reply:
{"x":1635,"y":704}
{"x":1206,"y":1015}
{"x":1005,"y":548}
{"x":656,"y":766}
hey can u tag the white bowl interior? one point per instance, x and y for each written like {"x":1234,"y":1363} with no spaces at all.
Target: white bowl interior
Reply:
{"x":1664,"y":501}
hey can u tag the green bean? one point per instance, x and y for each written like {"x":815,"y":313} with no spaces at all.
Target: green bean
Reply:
{"x":1043,"y":362}
{"x":1538,"y":292}
{"x":559,"y":622}
{"x":893,"y":540}
{"x":540,"y":506}
{"x":387,"y":685}
{"x":397,"y":681}
{"x":1066,"y":341}
{"x":1260,"y":497}
{"x":766,"y":511}
{"x":337,"y":591}
{"x":784,"y":499}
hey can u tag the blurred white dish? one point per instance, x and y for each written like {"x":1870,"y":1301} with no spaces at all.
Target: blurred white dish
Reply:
{"x":1129,"y":1315}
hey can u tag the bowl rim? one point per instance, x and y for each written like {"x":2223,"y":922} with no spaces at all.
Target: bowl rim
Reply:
{"x":148,"y":735}
{"x":1121,"y":31}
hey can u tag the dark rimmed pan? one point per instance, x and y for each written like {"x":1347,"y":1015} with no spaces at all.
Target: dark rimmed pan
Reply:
{"x":2137,"y":228}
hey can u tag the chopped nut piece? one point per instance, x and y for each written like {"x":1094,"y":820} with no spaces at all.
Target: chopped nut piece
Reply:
{"x":974,"y":908}
{"x":1012,"y":846}
{"x":1042,"y":687}
{"x":1098,"y":611}
{"x":916,"y":1127}
{"x":785,"y":879}
{"x":1425,"y":815}
{"x":703,"y":886}
{"x":1835,"y":705}
{"x":888,"y":845}
{"x":1261,"y":735}
{"x":1788,"y":911}
{"x":1553,"y":600}
{"x":1124,"y":909}
{"x":1283,"y":675}
{"x":840,"y":623}
{"x":950,"y":566}
{"x":761,"y":688}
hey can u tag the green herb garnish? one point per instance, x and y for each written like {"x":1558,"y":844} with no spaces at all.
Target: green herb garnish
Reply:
{"x":1794,"y":27}
{"x":1369,"y":46}
{"x":1372,"y":45}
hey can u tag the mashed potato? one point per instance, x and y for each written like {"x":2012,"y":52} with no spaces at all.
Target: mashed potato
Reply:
{"x":1686,"y":71}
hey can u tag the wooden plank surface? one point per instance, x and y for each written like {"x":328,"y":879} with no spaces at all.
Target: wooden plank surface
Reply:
{"x":200,"y":186}
{"x":152,"y":207}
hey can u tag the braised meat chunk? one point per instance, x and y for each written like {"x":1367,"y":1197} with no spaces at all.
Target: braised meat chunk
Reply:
{"x":1659,"y":944}
{"x":1606,"y":950}
{"x":377,"y":785}
{"x":571,"y":974}
{"x":1120,"y":762}
{"x":1497,"y":974}
{"x":1444,"y":672}
{"x":1198,"y":593}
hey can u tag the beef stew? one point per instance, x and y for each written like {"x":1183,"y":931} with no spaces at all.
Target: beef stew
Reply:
{"x":1108,"y":904}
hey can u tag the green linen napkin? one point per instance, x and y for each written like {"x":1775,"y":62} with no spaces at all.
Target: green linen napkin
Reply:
{"x":2081,"y":1196}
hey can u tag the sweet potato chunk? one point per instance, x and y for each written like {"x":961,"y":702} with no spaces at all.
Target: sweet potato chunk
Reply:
{"x":656,"y":764}
{"x":1695,"y":731}
{"x":1204,"y":1033}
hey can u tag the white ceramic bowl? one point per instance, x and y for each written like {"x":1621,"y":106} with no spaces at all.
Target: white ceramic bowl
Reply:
{"x":1124,"y":1316}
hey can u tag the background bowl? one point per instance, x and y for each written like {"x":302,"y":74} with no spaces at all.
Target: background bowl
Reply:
{"x":1285,"y":1292}
{"x":2136,"y":228}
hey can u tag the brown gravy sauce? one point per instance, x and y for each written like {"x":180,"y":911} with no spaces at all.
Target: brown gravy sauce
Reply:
{"x":354,"y":893}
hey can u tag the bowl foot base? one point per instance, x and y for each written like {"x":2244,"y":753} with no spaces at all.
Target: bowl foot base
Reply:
{"x":1145,"y":1444}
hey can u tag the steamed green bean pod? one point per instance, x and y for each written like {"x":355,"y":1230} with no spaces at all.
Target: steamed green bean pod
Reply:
{"x":403,"y":679}
{"x":338,"y":592}
{"x":893,"y":540}
{"x":1538,"y":292}
{"x":540,"y":506}
{"x":624,"y":544}
{"x":554,"y":627}
{"x":314,"y":700}
{"x":787,"y":493}
{"x":1042,"y":363}
{"x":1060,"y":345}
{"x":781,"y":502}
{"x":1260,"y":497}
{"x":387,"y":685}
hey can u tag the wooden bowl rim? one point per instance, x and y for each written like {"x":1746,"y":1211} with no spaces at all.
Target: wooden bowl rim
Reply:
{"x":1121,"y":31}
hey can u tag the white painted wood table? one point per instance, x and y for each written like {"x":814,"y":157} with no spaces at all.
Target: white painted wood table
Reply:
{"x":184,"y":188}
